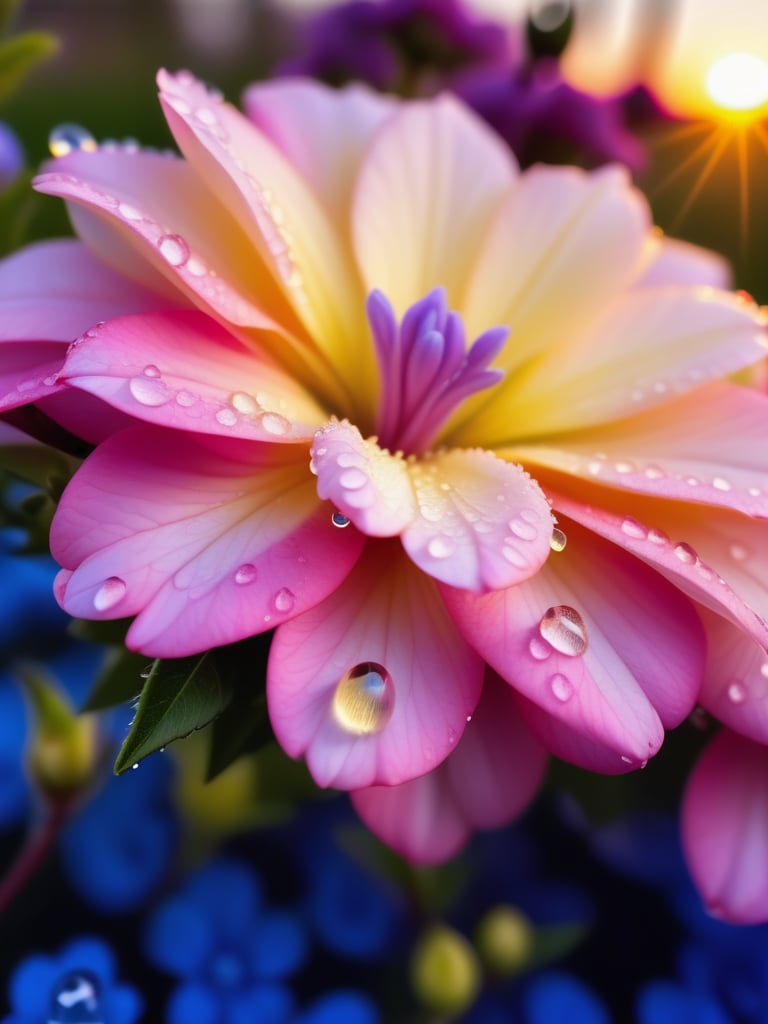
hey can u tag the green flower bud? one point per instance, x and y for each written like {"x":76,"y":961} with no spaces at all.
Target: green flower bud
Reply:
{"x":504,"y":938}
{"x":445,"y":972}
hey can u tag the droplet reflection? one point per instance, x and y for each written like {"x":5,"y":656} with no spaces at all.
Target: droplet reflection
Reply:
{"x":364,"y":699}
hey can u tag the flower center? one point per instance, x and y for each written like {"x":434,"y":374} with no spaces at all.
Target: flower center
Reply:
{"x":426,"y":368}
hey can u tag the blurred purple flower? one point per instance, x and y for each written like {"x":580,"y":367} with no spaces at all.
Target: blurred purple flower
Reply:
{"x":11,"y":155}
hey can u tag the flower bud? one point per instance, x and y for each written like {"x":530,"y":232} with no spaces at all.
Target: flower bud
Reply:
{"x":445,"y":972}
{"x":504,"y":938}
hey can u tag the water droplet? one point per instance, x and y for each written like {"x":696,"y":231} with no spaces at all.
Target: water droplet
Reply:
{"x":625,"y":759}
{"x":738,"y":552}
{"x":66,"y":138}
{"x":764,"y":670}
{"x":441,"y":547}
{"x":151,"y":371}
{"x":75,"y":999}
{"x":134,"y":766}
{"x":340,"y":520}
{"x":109,"y":593}
{"x":242,"y":402}
{"x":512,"y":555}
{"x":185,"y":399}
{"x":129,"y":212}
{"x":284,"y":600}
{"x":692,"y":481}
{"x":246,"y":573}
{"x":624,"y":466}
{"x":633,"y":528}
{"x":654,"y":472}
{"x":685,"y":553}
{"x":522,"y":529}
{"x":720,"y":484}
{"x":353,"y":479}
{"x":364,"y":699}
{"x":275,"y":424}
{"x":657,"y":537}
{"x":558,"y":540}
{"x":594,"y":467}
{"x":469,"y":719}
{"x":561,"y":687}
{"x":226,"y":417}
{"x":737,"y":692}
{"x":149,"y":391}
{"x":564,"y":629}
{"x":539,"y":648}
{"x":173,"y":249}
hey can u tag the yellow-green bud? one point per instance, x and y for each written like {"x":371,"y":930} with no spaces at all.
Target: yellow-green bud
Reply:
{"x":61,"y":749}
{"x":445,"y":971}
{"x":504,"y":938}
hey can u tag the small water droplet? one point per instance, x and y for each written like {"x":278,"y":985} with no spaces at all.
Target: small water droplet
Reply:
{"x":75,"y":999}
{"x":692,"y":481}
{"x":632,"y":528}
{"x":129,"y":212}
{"x":558,"y":540}
{"x":654,"y":472}
{"x":539,"y":648}
{"x":173,"y":249}
{"x":185,"y":399}
{"x":522,"y":529}
{"x":134,"y":766}
{"x":685,"y":553}
{"x":561,"y":687}
{"x":340,"y":520}
{"x":738,"y":552}
{"x":284,"y":600}
{"x":353,"y":479}
{"x":737,"y":692}
{"x":564,"y":629}
{"x":625,"y":759}
{"x":275,"y":424}
{"x":624,"y":466}
{"x":226,"y":417}
{"x":149,"y":391}
{"x":441,"y":547}
{"x":594,"y":467}
{"x":657,"y":537}
{"x":364,"y":699}
{"x":721,"y":484}
{"x":764,"y":670}
{"x":109,"y":593}
{"x":244,"y":403}
{"x":151,"y":371}
{"x":469,"y":719}
{"x":245,"y":573}
{"x":66,"y":138}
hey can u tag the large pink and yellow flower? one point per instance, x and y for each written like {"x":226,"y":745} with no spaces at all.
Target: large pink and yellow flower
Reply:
{"x":462,"y":436}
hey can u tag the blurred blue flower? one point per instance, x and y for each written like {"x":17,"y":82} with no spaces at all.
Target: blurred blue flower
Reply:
{"x":341,"y":1007}
{"x":78,"y":983}
{"x":556,"y":996}
{"x":120,"y":846}
{"x":664,"y":1002}
{"x":232,"y":955}
{"x":11,"y":155}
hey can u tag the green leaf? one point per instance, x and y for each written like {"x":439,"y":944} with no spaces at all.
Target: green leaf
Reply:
{"x":120,"y":681}
{"x":37,"y":464}
{"x":242,"y":729}
{"x":179,"y":696}
{"x":19,"y":54}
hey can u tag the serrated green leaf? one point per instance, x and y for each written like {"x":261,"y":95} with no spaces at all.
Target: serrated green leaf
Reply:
{"x":19,"y":54}
{"x":179,"y":696}
{"x":242,"y":729}
{"x":119,"y":682}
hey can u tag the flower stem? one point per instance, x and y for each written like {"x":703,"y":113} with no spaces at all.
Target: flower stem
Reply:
{"x":33,"y":853}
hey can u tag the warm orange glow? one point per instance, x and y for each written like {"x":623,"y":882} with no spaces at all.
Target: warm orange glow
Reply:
{"x":738,"y":82}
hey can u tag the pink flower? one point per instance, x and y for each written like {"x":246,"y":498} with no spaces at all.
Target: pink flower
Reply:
{"x":375,"y":360}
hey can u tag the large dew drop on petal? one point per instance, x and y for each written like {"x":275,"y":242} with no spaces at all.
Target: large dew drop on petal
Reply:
{"x":364,"y":699}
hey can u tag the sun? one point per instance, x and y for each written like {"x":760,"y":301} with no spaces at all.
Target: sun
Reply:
{"x":738,"y":83}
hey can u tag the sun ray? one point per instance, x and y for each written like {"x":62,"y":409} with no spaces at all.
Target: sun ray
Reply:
{"x":698,"y":153}
{"x":742,"y":163}
{"x":702,"y":177}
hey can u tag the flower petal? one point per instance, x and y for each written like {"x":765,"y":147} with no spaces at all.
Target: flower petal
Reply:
{"x":183,"y":370}
{"x":488,"y":780}
{"x":671,"y":261}
{"x":465,"y":517}
{"x":671,"y":342}
{"x":678,"y":451}
{"x":593,"y":639}
{"x":207,"y":542}
{"x":285,"y":223}
{"x":322,"y":131}
{"x":725,"y":828}
{"x":386,"y":614}
{"x":434,"y":173}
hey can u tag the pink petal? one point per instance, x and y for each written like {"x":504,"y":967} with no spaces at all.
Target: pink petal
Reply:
{"x":285,"y":223}
{"x":647,"y":532}
{"x":183,"y":370}
{"x":428,"y":187}
{"x":206,"y":541}
{"x":679,"y":450}
{"x":672,"y":341}
{"x":465,"y":517}
{"x":593,"y":639}
{"x":386,"y":613}
{"x":483,"y":523}
{"x":157,"y":222}
{"x":671,"y":261}
{"x":725,"y":828}
{"x":735,"y":688}
{"x":323,"y":132}
{"x":50,"y":293}
{"x":488,"y":780}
